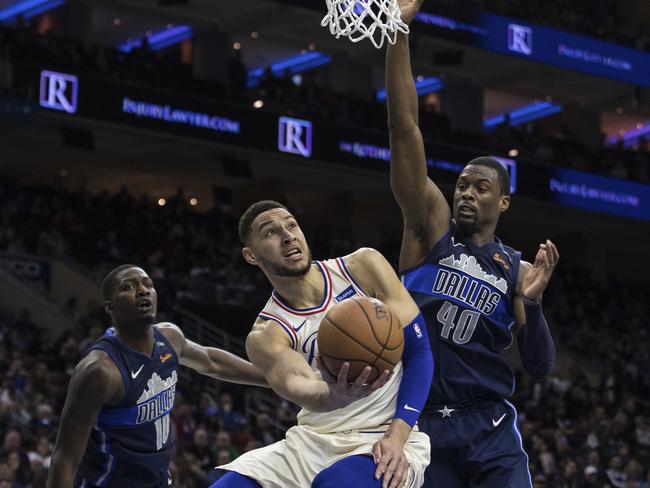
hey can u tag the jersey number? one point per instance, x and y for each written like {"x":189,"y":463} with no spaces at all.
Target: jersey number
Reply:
{"x":463,"y":327}
{"x":162,"y":431}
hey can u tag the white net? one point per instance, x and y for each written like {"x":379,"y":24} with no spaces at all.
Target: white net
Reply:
{"x":377,"y":20}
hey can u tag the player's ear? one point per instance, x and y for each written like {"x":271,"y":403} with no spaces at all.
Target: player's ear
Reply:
{"x":108,"y":307}
{"x":504,"y":204}
{"x":249,"y":255}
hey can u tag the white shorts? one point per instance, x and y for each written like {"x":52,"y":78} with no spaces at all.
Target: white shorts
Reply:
{"x":295,"y":461}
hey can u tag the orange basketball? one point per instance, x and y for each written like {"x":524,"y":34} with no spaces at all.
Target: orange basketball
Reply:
{"x":361,"y":331}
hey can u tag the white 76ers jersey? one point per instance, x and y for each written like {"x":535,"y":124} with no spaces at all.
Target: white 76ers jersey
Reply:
{"x":371,"y":413}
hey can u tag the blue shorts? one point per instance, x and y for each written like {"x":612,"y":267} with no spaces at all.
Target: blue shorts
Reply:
{"x":476,"y":447}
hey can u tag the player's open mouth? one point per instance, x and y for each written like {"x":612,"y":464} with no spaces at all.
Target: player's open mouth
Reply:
{"x":466,"y":211}
{"x":144,"y":305}
{"x":294,"y":254}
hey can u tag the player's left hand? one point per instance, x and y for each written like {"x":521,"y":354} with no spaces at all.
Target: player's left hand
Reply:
{"x":539,"y":274}
{"x":391,"y":461}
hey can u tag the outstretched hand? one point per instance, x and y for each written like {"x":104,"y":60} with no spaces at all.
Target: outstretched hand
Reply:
{"x":342,"y":392}
{"x":389,"y":456}
{"x":539,"y":274}
{"x":409,"y":9}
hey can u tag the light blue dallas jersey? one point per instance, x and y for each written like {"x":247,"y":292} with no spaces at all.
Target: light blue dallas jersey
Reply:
{"x":465,"y":293}
{"x":132,"y":442}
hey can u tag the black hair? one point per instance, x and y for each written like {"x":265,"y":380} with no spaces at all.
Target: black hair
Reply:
{"x":110,"y":281}
{"x":247,"y":218}
{"x":502,"y":172}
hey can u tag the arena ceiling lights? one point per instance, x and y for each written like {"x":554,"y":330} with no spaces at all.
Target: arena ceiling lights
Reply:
{"x":159,"y":40}
{"x":289,"y":66}
{"x":523,"y":115}
{"x":28,"y":9}
{"x":632,"y":137}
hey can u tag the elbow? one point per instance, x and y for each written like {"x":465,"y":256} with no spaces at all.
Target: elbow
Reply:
{"x":214,"y":370}
{"x":540,"y":371}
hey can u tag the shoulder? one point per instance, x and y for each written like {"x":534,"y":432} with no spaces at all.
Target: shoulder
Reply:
{"x":97,"y":364}
{"x":173,"y":334}
{"x":365,"y":259}
{"x":262,"y":327}
{"x":265,"y":331}
{"x":97,"y":377}
{"x":373,"y":272}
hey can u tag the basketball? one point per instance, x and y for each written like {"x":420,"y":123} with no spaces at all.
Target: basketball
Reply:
{"x":363,"y":332}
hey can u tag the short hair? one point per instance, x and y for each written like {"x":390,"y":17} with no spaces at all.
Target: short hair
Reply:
{"x":110,"y":281}
{"x":247,"y":218}
{"x":502,"y":172}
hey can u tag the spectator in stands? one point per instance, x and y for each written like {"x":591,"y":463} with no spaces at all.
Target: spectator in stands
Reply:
{"x":16,"y":458}
{"x":264,"y":431}
{"x":231,"y":420}
{"x":201,"y":450}
{"x":224,"y":443}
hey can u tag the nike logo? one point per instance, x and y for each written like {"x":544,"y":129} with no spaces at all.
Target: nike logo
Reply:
{"x":497,"y":422}
{"x":165,"y":357}
{"x":134,"y":374}
{"x":300,"y":326}
{"x":406,"y":407}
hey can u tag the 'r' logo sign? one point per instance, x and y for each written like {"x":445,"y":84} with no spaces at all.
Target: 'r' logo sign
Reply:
{"x":58,"y":91}
{"x":520,"y":39}
{"x":294,"y":136}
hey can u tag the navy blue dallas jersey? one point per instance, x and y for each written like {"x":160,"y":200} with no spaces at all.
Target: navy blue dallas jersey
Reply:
{"x":465,"y":293}
{"x":132,"y":441}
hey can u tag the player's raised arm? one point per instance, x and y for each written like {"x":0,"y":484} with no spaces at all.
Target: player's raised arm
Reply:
{"x":94,"y":383}
{"x":378,"y":279}
{"x":211,"y":361}
{"x":424,"y":208}
{"x":291,"y":377}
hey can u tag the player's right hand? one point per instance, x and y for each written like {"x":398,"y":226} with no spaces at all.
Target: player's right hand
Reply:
{"x":409,"y":9}
{"x":342,"y":392}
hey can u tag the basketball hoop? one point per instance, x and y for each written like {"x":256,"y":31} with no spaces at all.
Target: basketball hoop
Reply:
{"x":377,"y":20}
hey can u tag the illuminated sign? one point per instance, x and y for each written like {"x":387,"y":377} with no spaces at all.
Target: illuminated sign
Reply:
{"x":295,"y":136}
{"x":174,"y":115}
{"x":538,"y":43}
{"x":361,"y":150}
{"x":511,"y":166}
{"x":520,"y":39}
{"x":382,"y":153}
{"x":322,"y":141}
{"x":58,"y":91}
{"x":599,"y":193}
{"x":529,"y":41}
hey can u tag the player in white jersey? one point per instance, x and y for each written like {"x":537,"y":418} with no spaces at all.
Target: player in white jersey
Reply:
{"x":348,"y":435}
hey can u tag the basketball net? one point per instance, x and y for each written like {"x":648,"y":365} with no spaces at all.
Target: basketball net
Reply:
{"x":377,"y":20}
